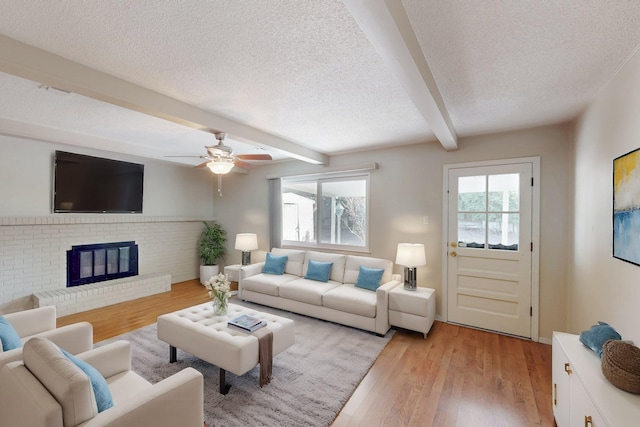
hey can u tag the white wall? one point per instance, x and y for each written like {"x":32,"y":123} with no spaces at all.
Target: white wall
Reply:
{"x":602,"y":287}
{"x":26,"y":180}
{"x":408,"y":186}
{"x":34,"y":241}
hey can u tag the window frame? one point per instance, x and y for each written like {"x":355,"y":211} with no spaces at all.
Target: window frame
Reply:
{"x":487,"y":211}
{"x":320,"y":179}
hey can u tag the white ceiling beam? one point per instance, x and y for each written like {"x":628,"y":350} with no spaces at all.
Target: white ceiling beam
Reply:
{"x":387,"y":26}
{"x":35,"y":64}
{"x":59,"y":136}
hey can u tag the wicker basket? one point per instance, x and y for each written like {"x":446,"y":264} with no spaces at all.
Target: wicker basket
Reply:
{"x":621,"y":365}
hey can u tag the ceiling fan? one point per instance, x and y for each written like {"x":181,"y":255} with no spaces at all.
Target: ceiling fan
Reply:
{"x":220,"y":159}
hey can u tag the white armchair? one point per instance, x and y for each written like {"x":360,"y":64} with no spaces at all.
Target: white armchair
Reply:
{"x":29,"y":386}
{"x":75,"y":338}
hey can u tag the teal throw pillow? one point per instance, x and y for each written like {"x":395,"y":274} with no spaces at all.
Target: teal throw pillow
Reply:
{"x":8,"y":335}
{"x":275,"y":264}
{"x":369,"y":278}
{"x":319,"y":271}
{"x":597,"y":335}
{"x":98,"y":383}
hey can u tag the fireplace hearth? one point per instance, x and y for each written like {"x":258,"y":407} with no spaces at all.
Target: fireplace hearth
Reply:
{"x":100,"y":262}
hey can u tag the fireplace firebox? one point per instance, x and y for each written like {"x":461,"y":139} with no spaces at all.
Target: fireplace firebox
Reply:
{"x":100,"y":262}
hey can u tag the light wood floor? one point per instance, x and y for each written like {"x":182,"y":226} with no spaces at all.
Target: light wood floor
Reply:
{"x":117,"y":319}
{"x":456,"y":377}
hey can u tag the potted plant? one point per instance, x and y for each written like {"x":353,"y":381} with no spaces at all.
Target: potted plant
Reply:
{"x":211,"y":248}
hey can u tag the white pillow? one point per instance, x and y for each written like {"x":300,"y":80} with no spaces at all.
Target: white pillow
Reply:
{"x":294,"y":262}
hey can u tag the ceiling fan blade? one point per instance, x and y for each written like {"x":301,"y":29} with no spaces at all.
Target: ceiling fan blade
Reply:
{"x":254,"y":156}
{"x":241,"y":164}
{"x":200,"y":157}
{"x":201,"y":165}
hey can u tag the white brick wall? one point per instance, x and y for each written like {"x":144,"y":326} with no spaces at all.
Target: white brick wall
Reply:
{"x":33,"y":250}
{"x":95,"y":295}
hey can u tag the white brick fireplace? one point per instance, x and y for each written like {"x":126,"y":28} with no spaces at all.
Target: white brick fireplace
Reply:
{"x":33,"y":258}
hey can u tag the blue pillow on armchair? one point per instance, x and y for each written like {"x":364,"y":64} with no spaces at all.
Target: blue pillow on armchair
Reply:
{"x":275,"y":264}
{"x":318,"y":271}
{"x":8,"y":336}
{"x":101,"y":391}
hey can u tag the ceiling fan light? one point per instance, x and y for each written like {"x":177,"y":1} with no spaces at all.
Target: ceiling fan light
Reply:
{"x":220,"y":167}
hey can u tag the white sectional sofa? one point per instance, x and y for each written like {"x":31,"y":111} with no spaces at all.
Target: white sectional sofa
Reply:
{"x":337,"y":300}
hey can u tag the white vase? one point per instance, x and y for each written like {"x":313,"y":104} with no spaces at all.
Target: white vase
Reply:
{"x":207,"y":272}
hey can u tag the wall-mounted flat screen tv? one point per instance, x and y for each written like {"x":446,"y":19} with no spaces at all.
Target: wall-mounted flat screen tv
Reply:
{"x":87,"y":184}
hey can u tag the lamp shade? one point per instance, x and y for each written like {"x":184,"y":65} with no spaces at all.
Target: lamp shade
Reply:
{"x":246,"y":241}
{"x":410,"y":254}
{"x":220,"y":166}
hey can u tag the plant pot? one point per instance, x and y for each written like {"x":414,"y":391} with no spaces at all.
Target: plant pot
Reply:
{"x":207,"y":272}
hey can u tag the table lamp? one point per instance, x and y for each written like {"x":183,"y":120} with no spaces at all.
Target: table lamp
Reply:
{"x":246,"y":242}
{"x":411,"y":255}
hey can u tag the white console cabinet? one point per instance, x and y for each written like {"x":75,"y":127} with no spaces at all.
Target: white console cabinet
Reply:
{"x":582,"y":396}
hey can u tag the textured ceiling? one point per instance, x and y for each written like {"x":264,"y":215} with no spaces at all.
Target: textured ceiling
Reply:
{"x":512,"y":64}
{"x":308,"y":72}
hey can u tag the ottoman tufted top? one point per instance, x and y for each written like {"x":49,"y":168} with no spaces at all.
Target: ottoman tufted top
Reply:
{"x":198,"y":331}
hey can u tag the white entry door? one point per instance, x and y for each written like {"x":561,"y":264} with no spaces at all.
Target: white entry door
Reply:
{"x":489,"y":247}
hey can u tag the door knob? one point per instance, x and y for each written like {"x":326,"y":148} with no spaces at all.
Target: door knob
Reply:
{"x":453,"y":253}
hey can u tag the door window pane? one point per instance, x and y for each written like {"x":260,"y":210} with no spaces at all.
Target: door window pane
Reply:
{"x":504,"y":231}
{"x":471,"y":230}
{"x":472,"y":192}
{"x":504,"y":193}
{"x":488,"y":211}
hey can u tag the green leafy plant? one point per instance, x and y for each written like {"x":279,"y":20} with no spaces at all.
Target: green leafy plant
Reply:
{"x":212,"y":244}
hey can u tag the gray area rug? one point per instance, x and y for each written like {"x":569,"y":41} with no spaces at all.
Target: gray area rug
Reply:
{"x":312,"y":380}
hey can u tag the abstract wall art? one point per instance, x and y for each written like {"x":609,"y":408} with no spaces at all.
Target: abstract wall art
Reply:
{"x":626,"y":207}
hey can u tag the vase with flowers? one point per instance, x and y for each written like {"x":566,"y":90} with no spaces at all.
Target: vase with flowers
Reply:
{"x":219,"y":288}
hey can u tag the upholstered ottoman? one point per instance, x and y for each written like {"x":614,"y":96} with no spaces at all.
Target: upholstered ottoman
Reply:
{"x":415,"y":310}
{"x":198,"y":331}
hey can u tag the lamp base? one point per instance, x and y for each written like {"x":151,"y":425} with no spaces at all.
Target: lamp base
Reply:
{"x":410,"y":276}
{"x":246,"y":258}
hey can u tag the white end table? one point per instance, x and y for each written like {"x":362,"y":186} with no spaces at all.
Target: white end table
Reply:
{"x":414,"y":310}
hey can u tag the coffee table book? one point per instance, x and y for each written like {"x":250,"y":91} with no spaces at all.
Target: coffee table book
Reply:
{"x":246,"y":323}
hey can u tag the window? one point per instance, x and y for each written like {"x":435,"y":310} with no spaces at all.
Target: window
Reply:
{"x":489,"y":211}
{"x":326,"y":212}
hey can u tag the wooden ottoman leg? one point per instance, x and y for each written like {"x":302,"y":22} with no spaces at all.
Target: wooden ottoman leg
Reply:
{"x":224,"y":387}
{"x":173,"y":354}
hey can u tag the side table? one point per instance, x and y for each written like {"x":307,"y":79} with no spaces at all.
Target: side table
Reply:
{"x":233,"y":274}
{"x":414,"y":310}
